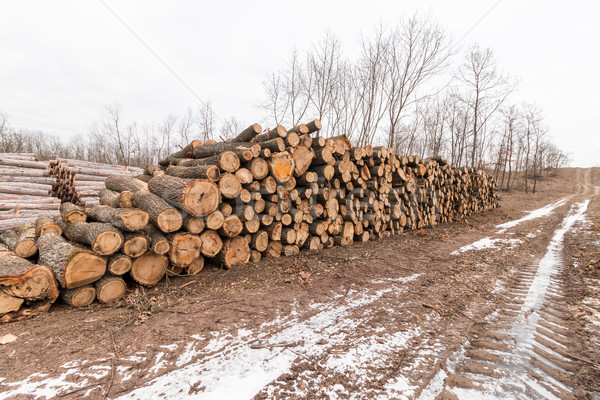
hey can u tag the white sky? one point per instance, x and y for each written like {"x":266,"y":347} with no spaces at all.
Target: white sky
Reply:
{"x":62,"y":61}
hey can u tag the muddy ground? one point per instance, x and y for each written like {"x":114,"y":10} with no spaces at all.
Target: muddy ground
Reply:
{"x":417,"y":315}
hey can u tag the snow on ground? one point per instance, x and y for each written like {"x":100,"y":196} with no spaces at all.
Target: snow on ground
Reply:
{"x":238,"y":365}
{"x":487,"y":243}
{"x":513,"y":377}
{"x":540,"y":212}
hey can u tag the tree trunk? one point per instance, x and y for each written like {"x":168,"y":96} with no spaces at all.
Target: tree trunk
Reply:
{"x":45,"y":224}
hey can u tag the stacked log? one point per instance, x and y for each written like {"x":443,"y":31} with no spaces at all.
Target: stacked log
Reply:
{"x":262,"y":194}
{"x":80,"y":182}
{"x":24,"y":190}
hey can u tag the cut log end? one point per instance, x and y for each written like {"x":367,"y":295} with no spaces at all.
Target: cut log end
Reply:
{"x":84,"y":268}
{"x":107,"y":243}
{"x":169,"y":220}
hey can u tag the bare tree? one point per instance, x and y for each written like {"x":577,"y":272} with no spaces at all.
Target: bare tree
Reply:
{"x":486,"y":90}
{"x":205,"y":120}
{"x":417,"y":50}
{"x":230,"y":128}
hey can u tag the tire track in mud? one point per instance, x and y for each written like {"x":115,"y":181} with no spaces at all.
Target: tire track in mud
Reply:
{"x":522,"y":350}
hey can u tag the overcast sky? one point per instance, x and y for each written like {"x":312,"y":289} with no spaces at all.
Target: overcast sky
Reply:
{"x":62,"y":61}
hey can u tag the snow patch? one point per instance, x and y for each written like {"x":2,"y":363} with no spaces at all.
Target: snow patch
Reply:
{"x":540,"y":212}
{"x":487,"y":243}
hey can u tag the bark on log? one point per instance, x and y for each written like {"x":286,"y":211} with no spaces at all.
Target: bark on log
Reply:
{"x":198,"y":197}
{"x":127,"y":219}
{"x":21,"y":280}
{"x":72,"y":266}
{"x":46,"y":224}
{"x":165,"y":217}
{"x":210,"y":172}
{"x":122,"y":183}
{"x":71,"y":213}
{"x":159,"y":243}
{"x":103,"y":239}
{"x":248,"y":134}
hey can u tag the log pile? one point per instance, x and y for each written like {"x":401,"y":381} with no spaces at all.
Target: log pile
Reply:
{"x":24,"y":190}
{"x":79,"y":182}
{"x":262,"y":194}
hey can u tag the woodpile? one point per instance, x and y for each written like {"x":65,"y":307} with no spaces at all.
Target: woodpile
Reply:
{"x":262,"y":194}
{"x":24,"y":190}
{"x":80,"y":182}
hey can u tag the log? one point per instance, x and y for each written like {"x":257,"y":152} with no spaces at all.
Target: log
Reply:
{"x":278,"y":132}
{"x":81,"y":296}
{"x":149,"y":268}
{"x":210,"y":172}
{"x":165,"y":217}
{"x":258,"y":167}
{"x":235,"y":252}
{"x":230,"y":186}
{"x":127,"y":219}
{"x":103,"y":239}
{"x":193,"y":224}
{"x":232,"y":226}
{"x":46,"y":224}
{"x":215,"y":220}
{"x":21,"y":281}
{"x":198,"y":197}
{"x":313,"y":126}
{"x":110,"y":288}
{"x":122,"y":183}
{"x":248,"y":134}
{"x":115,"y":199}
{"x":23,"y":242}
{"x":211,"y":243}
{"x":185,"y":247}
{"x":303,"y":157}
{"x":71,"y":213}
{"x":281,"y":166}
{"x":159,"y":243}
{"x":260,"y":241}
{"x":118,"y":264}
{"x":195,"y":266}
{"x":209,"y":150}
{"x":72,"y":266}
{"x":135,"y":244}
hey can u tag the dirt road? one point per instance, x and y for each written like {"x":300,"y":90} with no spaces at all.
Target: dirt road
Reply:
{"x":503,"y":305}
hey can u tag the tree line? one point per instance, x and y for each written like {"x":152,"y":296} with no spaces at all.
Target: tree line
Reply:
{"x":407,"y":87}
